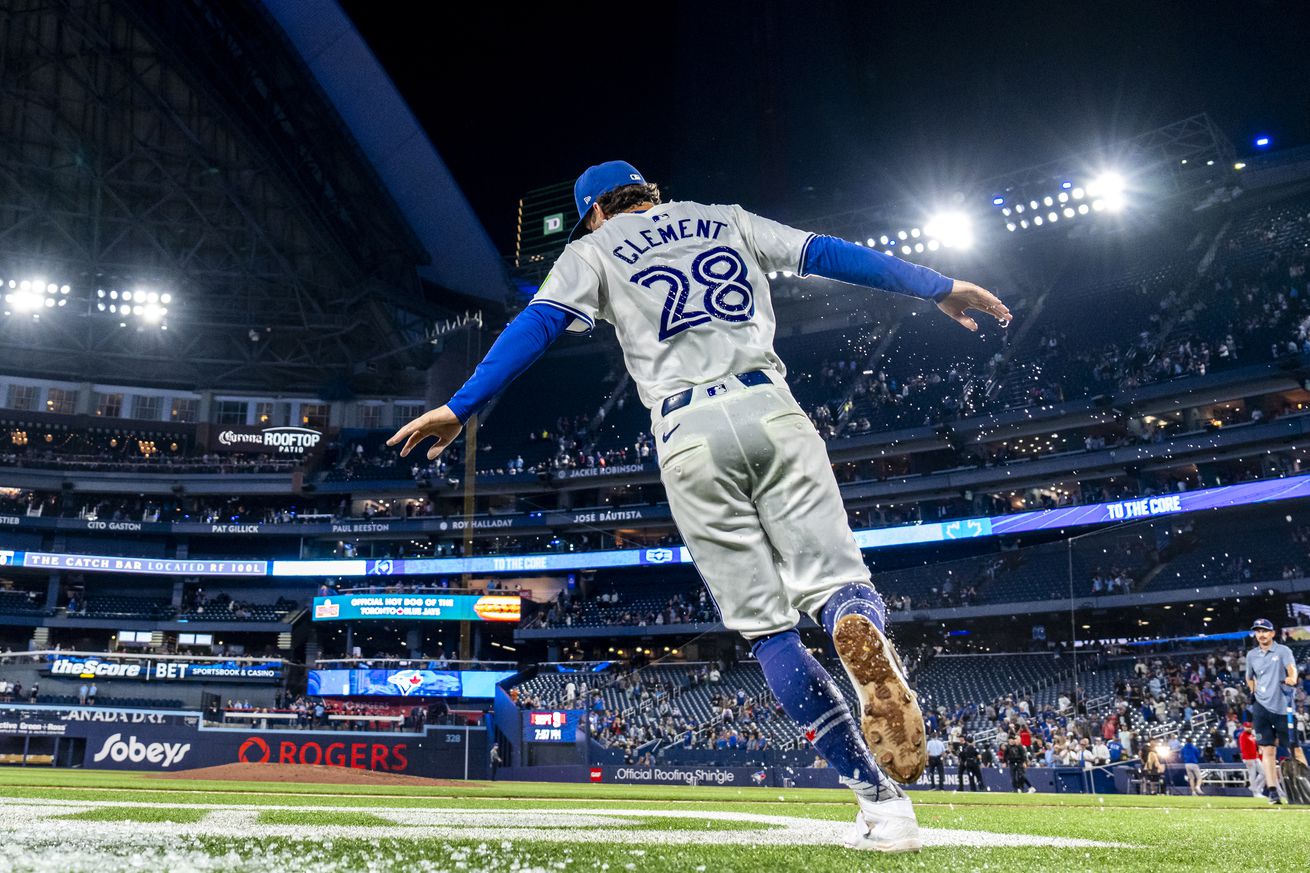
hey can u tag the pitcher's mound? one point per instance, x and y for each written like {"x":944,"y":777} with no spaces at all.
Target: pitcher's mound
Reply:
{"x":306,"y":773}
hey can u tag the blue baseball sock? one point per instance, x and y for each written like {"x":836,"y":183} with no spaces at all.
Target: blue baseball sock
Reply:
{"x":808,"y":694}
{"x":857,"y":598}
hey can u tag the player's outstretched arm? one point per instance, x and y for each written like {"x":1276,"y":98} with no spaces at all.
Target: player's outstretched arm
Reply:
{"x":524,"y":340}
{"x":967,"y":296}
{"x":845,"y":261}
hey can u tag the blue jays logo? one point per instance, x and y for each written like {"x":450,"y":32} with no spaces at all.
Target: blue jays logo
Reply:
{"x":759,"y":776}
{"x":659,"y":556}
{"x":406,"y":681}
{"x":382,"y":568}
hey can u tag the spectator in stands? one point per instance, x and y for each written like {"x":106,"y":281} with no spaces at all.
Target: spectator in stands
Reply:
{"x":81,"y":695}
{"x":91,"y":695}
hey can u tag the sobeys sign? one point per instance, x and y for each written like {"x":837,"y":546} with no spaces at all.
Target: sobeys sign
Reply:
{"x":268,"y":440}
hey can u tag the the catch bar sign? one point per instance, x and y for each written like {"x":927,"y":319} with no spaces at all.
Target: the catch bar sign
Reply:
{"x":418,"y":607}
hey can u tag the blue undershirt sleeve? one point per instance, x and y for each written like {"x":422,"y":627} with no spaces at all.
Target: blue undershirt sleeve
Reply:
{"x":844,"y":261}
{"x":524,"y":340}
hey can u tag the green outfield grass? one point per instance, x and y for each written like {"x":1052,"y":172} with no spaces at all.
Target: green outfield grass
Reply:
{"x":102,"y":822}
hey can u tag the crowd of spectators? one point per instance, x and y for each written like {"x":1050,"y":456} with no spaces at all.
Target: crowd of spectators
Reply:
{"x":1156,"y":705}
{"x":611,"y":608}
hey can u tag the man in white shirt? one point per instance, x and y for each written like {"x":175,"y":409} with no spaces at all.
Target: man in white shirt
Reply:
{"x":936,"y":762}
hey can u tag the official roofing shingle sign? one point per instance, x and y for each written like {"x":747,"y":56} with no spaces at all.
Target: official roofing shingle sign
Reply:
{"x":420,"y":607}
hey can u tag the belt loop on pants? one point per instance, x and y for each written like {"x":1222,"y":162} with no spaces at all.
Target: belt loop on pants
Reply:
{"x":675,"y":402}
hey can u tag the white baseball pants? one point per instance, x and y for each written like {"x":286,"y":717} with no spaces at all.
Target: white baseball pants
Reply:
{"x":753,"y":494}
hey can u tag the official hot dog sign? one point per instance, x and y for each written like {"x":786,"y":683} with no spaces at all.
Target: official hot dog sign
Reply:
{"x":420,"y":607}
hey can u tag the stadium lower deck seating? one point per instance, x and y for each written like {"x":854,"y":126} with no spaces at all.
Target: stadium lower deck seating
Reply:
{"x":959,"y":681}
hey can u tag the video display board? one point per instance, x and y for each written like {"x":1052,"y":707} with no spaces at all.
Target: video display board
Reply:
{"x":418,"y":607}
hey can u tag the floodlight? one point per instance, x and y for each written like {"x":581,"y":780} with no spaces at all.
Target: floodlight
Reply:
{"x":1110,"y":188}
{"x":953,"y":229}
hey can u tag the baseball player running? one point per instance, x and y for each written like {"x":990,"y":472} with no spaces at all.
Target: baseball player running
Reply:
{"x":747,"y":477}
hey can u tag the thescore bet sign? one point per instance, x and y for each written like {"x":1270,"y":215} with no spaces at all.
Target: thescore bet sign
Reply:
{"x":168,"y":671}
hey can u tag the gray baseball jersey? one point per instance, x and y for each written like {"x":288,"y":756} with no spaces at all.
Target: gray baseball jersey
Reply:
{"x":1269,"y":670}
{"x":684,"y":285}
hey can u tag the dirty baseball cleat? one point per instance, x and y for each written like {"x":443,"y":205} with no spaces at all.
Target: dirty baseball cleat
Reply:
{"x":889,"y":826}
{"x":889,"y":711}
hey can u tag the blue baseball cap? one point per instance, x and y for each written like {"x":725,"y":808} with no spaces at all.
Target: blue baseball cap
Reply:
{"x":598,"y":181}
{"x":1262,"y":624}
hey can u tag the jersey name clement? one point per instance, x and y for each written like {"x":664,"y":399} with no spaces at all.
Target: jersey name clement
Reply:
{"x":685,"y":286}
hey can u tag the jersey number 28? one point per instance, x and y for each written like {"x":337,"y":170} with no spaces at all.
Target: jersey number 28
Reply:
{"x":727,"y":296}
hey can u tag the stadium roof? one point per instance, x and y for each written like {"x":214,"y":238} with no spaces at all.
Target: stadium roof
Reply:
{"x":463,"y":258}
{"x":207,"y":211}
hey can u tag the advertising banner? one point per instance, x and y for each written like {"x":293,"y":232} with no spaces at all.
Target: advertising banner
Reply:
{"x":140,"y":566}
{"x":281,"y":441}
{"x":78,"y":667}
{"x":405,"y":683}
{"x":166,"y":742}
{"x":418,"y":607}
{"x":1261,"y":491}
{"x":675,"y":775}
{"x":552,"y":726}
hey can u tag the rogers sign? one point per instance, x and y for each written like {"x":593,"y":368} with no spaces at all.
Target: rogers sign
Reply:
{"x":384,"y":757}
{"x":277,"y":440}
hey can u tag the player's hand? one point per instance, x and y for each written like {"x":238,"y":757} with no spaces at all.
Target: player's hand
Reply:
{"x":965,"y":296}
{"x":440,"y":423}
